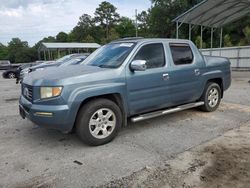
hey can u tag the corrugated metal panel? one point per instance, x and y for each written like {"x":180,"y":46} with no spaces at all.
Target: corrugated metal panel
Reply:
{"x":239,"y":56}
{"x":215,"y":13}
{"x":70,"y":45}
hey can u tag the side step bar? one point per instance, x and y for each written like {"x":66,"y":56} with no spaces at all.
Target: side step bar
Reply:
{"x":166,"y":111}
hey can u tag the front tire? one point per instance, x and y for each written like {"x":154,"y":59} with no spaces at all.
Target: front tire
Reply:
{"x":98,"y":122}
{"x":211,"y":97}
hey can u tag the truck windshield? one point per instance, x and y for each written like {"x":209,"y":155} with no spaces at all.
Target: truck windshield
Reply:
{"x":111,"y":55}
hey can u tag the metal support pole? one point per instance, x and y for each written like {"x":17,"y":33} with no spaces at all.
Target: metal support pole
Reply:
{"x":177,"y":30}
{"x":136,"y":25}
{"x":201,"y":37}
{"x":212,"y":32}
{"x":39,"y":55}
{"x":238,"y":58}
{"x":221,"y":35}
{"x":49,"y":54}
{"x":44,"y":55}
{"x":190,"y":32}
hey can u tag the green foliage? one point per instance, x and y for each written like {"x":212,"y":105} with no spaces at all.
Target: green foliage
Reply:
{"x":89,"y":38}
{"x":125,"y":28}
{"x":198,"y":42}
{"x":246,"y":31}
{"x":107,"y":25}
{"x":106,"y":16}
{"x":161,"y":15}
{"x":144,"y":24}
{"x":18,"y":52}
{"x":3,"y":52}
{"x":61,"y":37}
{"x":227,"y":40}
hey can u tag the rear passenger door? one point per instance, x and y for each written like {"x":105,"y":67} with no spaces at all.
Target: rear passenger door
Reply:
{"x":148,"y":90}
{"x":185,"y":83}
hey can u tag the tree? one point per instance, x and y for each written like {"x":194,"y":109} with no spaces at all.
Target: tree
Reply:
{"x":106,"y":16}
{"x":14,"y":47}
{"x":61,"y":37}
{"x":161,"y":15}
{"x":198,"y":42}
{"x":83,"y":29}
{"x":125,"y":27}
{"x":227,"y":41}
{"x":88,"y":38}
{"x":3,"y":52}
{"x":144,"y":23}
{"x":26,"y":55}
{"x":246,"y":32}
{"x":19,"y":51}
{"x":85,"y":21}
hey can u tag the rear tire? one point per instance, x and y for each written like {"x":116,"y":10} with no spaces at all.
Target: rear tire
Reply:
{"x":211,"y":97}
{"x":98,"y":122}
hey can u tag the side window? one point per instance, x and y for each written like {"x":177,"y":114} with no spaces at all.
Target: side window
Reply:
{"x":181,"y":53}
{"x":153,"y":54}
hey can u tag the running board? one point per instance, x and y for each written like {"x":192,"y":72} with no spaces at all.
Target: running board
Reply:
{"x":166,"y":111}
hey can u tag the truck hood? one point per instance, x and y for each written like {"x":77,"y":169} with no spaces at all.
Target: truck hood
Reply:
{"x":43,"y":65}
{"x":61,"y":75}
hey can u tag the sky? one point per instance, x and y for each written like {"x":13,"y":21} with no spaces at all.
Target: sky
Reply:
{"x":32,"y":20}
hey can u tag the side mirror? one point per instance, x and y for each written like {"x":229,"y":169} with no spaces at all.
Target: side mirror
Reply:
{"x":138,"y":65}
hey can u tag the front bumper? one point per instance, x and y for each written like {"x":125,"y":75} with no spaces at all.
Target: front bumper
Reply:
{"x":48,"y":116}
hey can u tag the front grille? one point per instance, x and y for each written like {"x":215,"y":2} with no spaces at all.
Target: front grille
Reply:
{"x":27,"y":92}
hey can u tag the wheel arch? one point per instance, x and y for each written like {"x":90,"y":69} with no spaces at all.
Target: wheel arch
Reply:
{"x":219,"y":81}
{"x":115,"y":97}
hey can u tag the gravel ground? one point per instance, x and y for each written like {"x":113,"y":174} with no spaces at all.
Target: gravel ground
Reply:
{"x":35,"y":157}
{"x":222,"y":162}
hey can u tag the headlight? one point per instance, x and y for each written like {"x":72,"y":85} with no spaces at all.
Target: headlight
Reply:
{"x":48,"y":92}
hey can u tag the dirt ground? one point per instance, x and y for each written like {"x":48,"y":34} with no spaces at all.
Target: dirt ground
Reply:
{"x":222,"y":162}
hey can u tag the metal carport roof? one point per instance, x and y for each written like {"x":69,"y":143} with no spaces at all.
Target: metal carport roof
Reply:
{"x":68,"y":45}
{"x":51,"y":47}
{"x":215,"y":13}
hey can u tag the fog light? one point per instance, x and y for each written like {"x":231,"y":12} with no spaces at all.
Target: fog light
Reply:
{"x":44,"y":114}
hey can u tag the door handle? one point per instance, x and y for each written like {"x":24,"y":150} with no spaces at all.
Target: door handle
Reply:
{"x":197,"y":72}
{"x":165,"y":76}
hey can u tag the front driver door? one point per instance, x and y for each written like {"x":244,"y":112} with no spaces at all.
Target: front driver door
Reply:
{"x":147,"y":90}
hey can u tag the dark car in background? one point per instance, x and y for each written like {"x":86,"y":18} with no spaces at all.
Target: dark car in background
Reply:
{"x":22,"y":67}
{"x":11,"y":72}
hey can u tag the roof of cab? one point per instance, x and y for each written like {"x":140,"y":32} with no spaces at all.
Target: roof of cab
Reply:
{"x":141,"y":39}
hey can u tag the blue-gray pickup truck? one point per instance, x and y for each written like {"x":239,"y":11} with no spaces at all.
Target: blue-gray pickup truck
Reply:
{"x":134,"y":79}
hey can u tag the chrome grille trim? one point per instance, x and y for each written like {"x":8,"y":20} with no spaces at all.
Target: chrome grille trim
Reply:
{"x":27,"y":92}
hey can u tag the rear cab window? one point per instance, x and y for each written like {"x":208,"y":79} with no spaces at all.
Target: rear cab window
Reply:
{"x":181,"y":53}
